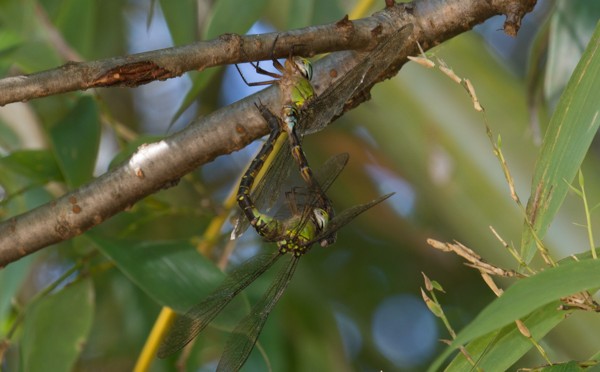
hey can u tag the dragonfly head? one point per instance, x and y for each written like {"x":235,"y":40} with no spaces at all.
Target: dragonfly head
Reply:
{"x":303,"y":66}
{"x":328,"y":239}
{"x":321,"y":218}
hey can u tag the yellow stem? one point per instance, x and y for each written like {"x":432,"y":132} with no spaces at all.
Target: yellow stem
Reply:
{"x":161,"y":326}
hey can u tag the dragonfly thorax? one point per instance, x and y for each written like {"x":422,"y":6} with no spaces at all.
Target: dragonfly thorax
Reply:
{"x":294,"y":83}
{"x":300,"y":234}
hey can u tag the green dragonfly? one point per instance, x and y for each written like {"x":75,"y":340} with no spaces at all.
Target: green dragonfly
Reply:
{"x":296,"y":91}
{"x":272,"y":229}
{"x":312,"y":115}
{"x":308,"y":223}
{"x":244,"y":336}
{"x":293,"y":78}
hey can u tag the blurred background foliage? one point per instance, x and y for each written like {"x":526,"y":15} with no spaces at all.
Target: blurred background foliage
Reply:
{"x":89,"y":303}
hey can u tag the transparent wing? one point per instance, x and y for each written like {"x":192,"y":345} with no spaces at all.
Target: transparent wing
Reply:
{"x":327,"y":173}
{"x":317,"y":114}
{"x":242,"y":340}
{"x":304,"y":200}
{"x":347,"y":216}
{"x":265,"y":191}
{"x":330,"y":104}
{"x":188,"y":326}
{"x":277,"y":174}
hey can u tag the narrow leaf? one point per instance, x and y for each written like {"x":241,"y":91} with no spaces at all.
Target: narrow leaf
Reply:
{"x":245,"y":13}
{"x":565,"y":144}
{"x":499,"y":350}
{"x":527,"y":295}
{"x":171,"y":272}
{"x":76,"y":139}
{"x":53,"y":336}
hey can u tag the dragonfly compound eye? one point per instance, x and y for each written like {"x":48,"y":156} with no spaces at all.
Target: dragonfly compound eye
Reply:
{"x":305,"y":67}
{"x":321,"y":218}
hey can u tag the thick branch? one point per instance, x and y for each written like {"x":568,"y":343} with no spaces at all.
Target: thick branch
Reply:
{"x":142,"y":68}
{"x":160,"y":165}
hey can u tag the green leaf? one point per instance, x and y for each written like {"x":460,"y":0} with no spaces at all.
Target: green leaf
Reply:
{"x":9,"y":139}
{"x":596,"y":356}
{"x":328,"y":11}
{"x":571,"y":27}
{"x":11,"y":279}
{"x":24,"y":201}
{"x":499,"y":350}
{"x":17,"y":16}
{"x":181,"y":17}
{"x":571,"y":366}
{"x":56,"y":327}
{"x":76,"y":19}
{"x":199,"y":83}
{"x":566,"y":142}
{"x":27,"y":168}
{"x":34,"y":56}
{"x":595,"y":368}
{"x":245,"y":13}
{"x":9,"y":41}
{"x":301,"y":13}
{"x":76,"y":139}
{"x":527,"y":295}
{"x":171,"y":272}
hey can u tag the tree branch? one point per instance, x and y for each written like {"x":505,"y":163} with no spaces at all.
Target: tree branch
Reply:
{"x":160,"y":165}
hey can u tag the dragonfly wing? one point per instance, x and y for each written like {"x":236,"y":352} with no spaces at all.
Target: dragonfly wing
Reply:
{"x":187,"y":326}
{"x":243,"y":338}
{"x":331,"y":169}
{"x":319,"y":113}
{"x":305,"y":199}
{"x":328,"y":172}
{"x":268,"y":189}
{"x":342,"y":219}
{"x":330,"y":104}
{"x":240,"y":224}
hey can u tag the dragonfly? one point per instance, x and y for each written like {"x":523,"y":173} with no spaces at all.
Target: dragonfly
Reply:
{"x":244,"y":336}
{"x":296,"y":90}
{"x":273,"y":229}
{"x":308,"y":224}
{"x":315,"y":114}
{"x":293,"y":78}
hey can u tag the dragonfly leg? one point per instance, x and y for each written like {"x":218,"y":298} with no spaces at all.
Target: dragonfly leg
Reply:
{"x":276,"y":62}
{"x":262,"y":72}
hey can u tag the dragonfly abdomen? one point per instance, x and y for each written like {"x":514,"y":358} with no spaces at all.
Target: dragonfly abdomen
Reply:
{"x":263,"y":224}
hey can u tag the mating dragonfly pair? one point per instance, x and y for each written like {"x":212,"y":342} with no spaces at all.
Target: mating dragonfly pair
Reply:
{"x":312,"y":217}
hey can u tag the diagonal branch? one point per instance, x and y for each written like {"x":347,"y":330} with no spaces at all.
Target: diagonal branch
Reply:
{"x":160,"y":165}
